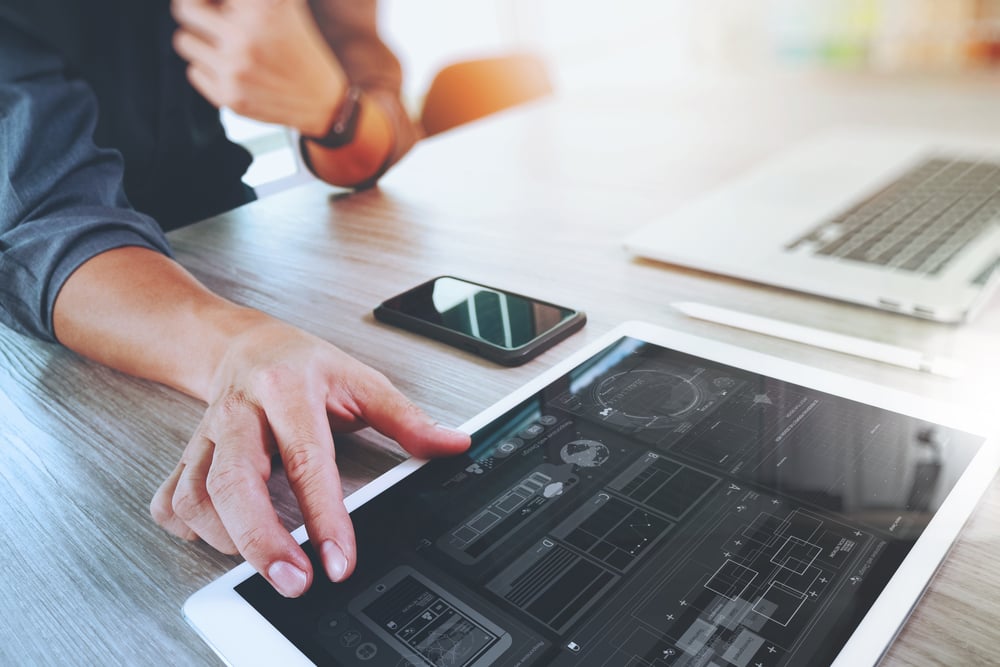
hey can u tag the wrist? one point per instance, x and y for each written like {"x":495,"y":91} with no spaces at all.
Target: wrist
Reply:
{"x":329,"y":100}
{"x":229,"y":326}
{"x":343,"y":127}
{"x":364,"y":158}
{"x":140,"y":312}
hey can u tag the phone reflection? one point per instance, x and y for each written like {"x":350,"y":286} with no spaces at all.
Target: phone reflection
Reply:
{"x":501,"y":318}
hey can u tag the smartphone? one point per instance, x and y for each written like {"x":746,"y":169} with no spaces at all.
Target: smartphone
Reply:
{"x":496,"y":324}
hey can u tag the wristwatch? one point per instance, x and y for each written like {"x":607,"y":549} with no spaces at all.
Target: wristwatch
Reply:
{"x":345,"y":124}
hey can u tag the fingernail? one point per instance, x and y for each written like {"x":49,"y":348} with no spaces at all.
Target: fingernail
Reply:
{"x":333,"y":560}
{"x":288,"y":579}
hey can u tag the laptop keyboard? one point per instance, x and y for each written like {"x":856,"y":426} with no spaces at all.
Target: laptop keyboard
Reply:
{"x":919,"y":222}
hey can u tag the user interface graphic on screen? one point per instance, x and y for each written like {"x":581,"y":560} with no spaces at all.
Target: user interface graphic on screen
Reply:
{"x":648,"y":508}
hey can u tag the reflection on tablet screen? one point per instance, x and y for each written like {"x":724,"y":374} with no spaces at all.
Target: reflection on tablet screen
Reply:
{"x":648,"y":508}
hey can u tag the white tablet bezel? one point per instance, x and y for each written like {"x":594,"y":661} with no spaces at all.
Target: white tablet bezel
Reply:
{"x":241,"y":636}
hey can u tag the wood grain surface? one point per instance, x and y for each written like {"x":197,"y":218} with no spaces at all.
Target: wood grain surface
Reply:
{"x":536,"y":201}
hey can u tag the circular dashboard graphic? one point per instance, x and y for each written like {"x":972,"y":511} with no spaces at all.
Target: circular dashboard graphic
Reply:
{"x":585,"y":453}
{"x":645,"y":396}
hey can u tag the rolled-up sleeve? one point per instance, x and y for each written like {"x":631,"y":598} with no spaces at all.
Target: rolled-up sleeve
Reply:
{"x":62,"y":198}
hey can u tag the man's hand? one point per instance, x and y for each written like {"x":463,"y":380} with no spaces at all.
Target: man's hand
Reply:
{"x":280,"y":390}
{"x":270,"y":388}
{"x":264,"y":59}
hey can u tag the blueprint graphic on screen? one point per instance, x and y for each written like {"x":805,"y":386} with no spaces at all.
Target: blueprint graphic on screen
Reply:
{"x":649,"y":508}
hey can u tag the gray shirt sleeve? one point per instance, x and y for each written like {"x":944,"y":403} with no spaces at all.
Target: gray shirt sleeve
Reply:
{"x":62,"y":199}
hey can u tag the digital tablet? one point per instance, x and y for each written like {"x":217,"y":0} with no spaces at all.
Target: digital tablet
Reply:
{"x":657,"y":499}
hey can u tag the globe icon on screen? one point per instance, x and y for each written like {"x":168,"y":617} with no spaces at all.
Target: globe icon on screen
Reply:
{"x":585,"y":453}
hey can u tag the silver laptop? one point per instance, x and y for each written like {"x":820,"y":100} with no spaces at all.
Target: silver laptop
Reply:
{"x":902,"y":221}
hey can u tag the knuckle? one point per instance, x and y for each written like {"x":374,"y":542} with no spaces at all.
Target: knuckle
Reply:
{"x":377,"y":380}
{"x":234,"y":403}
{"x":187,"y":504}
{"x":271,"y":381}
{"x":224,"y":482}
{"x":238,"y":102}
{"x":160,"y":509}
{"x":301,"y":462}
{"x":210,"y":93}
{"x":251,"y":45}
{"x":367,"y":388}
{"x":252,"y":542}
{"x":243,"y":72}
{"x":410,"y":411}
{"x":223,"y":89}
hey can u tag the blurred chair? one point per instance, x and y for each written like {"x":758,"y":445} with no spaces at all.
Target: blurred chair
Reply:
{"x":468,"y":90}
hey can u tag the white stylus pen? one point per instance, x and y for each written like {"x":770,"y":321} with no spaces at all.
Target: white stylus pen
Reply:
{"x":859,"y":347}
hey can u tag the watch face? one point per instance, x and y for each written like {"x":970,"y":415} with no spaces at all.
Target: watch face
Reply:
{"x":345,"y":123}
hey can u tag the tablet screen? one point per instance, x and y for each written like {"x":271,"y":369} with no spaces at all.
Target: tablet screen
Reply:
{"x":647,"y":508}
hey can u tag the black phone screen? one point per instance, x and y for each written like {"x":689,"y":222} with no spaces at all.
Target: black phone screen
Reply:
{"x":500,"y":318}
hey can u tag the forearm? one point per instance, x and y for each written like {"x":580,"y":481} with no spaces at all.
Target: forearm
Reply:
{"x":140,"y":312}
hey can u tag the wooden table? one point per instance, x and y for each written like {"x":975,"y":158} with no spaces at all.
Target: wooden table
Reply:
{"x":536,"y":201}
